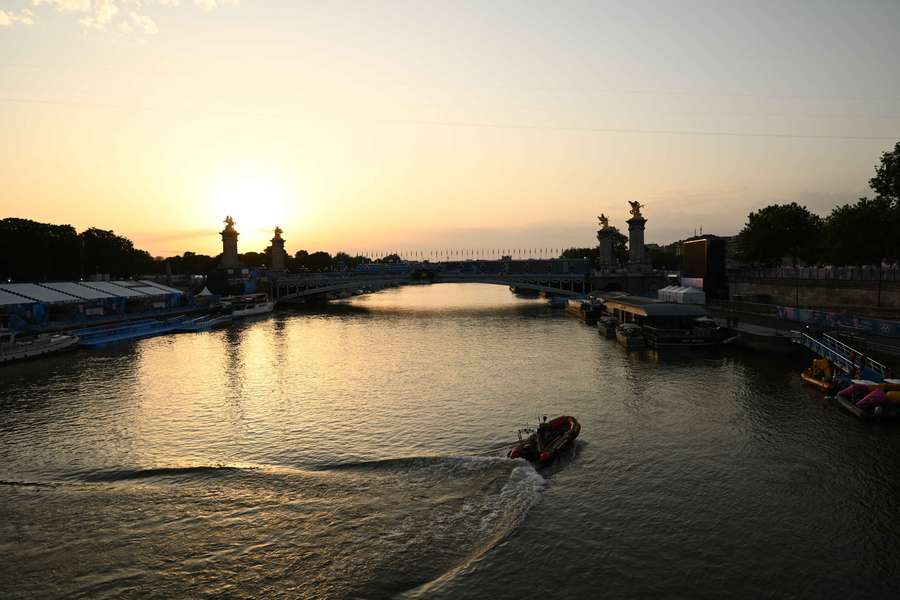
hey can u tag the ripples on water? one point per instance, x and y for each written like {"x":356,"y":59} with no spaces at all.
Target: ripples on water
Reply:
{"x":360,"y":441}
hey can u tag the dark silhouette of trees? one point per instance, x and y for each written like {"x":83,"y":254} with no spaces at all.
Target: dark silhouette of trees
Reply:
{"x":863,"y":233}
{"x":105,"y":252}
{"x":778,"y":231}
{"x":886,"y":182}
{"x":38,"y":251}
{"x":390,"y":259}
{"x":190,"y":263}
{"x":619,"y":250}
{"x":593,"y":254}
{"x":33,"y":251}
{"x":619,"y":246}
{"x":316,"y":262}
{"x":254,"y":260}
{"x":660,"y":258}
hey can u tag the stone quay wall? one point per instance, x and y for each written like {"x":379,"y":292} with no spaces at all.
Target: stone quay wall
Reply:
{"x":876,"y":295}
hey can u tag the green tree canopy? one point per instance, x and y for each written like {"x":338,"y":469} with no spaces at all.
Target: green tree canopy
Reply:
{"x":863,"y":233}
{"x":780,"y":231}
{"x":32,"y":251}
{"x":619,"y":249}
{"x":575,"y":253}
{"x":316,"y":262}
{"x":105,"y":252}
{"x":619,"y":246}
{"x":886,"y":182}
{"x":660,"y":258}
{"x":192,"y":264}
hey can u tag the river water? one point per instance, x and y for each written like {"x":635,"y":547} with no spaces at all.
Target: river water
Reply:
{"x":355,"y":452}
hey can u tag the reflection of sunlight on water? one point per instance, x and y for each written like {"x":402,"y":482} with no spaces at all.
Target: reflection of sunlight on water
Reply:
{"x":445,"y":297}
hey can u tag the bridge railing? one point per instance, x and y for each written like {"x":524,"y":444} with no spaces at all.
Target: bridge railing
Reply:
{"x":865,"y":361}
{"x":843,"y":356}
{"x":445,"y":274}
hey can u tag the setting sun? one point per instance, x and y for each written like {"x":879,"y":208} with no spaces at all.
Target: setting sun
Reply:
{"x":256,"y":204}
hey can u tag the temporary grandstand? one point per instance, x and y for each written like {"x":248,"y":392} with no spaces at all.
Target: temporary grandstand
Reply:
{"x":78,"y":303}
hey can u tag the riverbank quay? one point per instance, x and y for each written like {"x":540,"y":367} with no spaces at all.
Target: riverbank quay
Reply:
{"x":870,"y":291}
{"x":768,"y":327}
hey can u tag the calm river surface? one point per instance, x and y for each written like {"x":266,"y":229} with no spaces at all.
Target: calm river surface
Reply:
{"x":352,"y":452}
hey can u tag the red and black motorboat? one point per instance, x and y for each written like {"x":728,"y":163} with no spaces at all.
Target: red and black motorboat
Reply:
{"x":541,"y":445}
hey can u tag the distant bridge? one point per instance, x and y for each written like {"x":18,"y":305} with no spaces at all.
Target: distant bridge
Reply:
{"x":559,"y":277}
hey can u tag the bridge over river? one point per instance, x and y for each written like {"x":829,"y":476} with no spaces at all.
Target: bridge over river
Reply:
{"x":564,"y":277}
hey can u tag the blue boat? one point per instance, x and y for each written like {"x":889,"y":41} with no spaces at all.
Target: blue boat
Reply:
{"x":104,"y":336}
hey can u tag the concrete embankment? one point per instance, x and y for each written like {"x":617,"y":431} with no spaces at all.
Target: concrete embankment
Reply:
{"x":762,"y":329}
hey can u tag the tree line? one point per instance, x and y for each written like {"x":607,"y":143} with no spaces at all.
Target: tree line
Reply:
{"x":33,"y":251}
{"x":866,"y":232}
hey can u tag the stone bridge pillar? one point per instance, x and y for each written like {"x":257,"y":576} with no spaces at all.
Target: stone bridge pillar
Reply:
{"x":277,"y":251}
{"x":604,"y":236}
{"x":229,"y":246}
{"x":637,"y":261}
{"x":636,"y":257}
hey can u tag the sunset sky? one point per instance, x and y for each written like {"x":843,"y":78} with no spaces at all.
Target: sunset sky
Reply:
{"x":367,"y":125}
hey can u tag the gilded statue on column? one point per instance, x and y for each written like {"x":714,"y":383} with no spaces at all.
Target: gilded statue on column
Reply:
{"x":604,"y":221}
{"x":636,"y":209}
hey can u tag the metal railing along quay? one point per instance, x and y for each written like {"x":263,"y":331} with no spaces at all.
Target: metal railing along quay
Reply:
{"x":864,"y":273}
{"x":843,"y":356}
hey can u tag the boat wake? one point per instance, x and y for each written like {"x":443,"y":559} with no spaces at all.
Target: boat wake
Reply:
{"x":159,"y":472}
{"x":366,"y":530}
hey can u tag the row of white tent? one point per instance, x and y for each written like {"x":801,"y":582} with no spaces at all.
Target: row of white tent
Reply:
{"x":681,"y":294}
{"x":80,"y":291}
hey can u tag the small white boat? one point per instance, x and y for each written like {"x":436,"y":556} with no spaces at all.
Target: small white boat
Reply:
{"x":250,"y":306}
{"x":12,"y":348}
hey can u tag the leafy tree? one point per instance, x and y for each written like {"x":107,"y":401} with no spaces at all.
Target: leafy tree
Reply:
{"x":342,"y":262}
{"x":577,"y":253}
{"x":863,"y":233}
{"x":778,"y":231}
{"x":190,"y":263}
{"x":867,"y":232}
{"x":316,"y":262}
{"x":619,"y":250}
{"x":661,"y":258}
{"x":253,"y":259}
{"x":105,"y":252}
{"x":144,"y":264}
{"x":38,"y":251}
{"x":886,"y":182}
{"x":619,"y":246}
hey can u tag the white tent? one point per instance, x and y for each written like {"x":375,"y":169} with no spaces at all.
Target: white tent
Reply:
{"x":681,"y":295}
{"x":205,"y":292}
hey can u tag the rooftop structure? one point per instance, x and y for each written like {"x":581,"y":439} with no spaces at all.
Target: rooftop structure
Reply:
{"x":647,"y":307}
